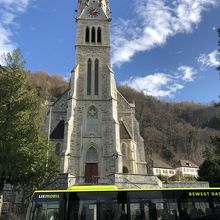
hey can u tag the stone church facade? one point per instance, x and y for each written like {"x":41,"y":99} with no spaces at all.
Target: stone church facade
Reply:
{"x":92,"y":126}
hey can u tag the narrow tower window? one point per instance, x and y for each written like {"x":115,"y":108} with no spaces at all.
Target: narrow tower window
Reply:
{"x":124,"y":150}
{"x":87,"y":35}
{"x":89,"y":77}
{"x":96,"y":77}
{"x":93,"y":35}
{"x":92,"y":120}
{"x":99,"y":35}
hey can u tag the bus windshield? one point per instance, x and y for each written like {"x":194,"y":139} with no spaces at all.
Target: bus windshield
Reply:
{"x":45,"y":207}
{"x":46,"y":211}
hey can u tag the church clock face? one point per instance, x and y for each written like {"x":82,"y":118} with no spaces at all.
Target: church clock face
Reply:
{"x":93,"y":12}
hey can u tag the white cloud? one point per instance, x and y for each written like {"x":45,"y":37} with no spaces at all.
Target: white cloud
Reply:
{"x":188,"y":73}
{"x":157,"y":84}
{"x":156,"y":21}
{"x":9,"y":10}
{"x":15,"y":5}
{"x":7,"y":18}
{"x":162,"y":84}
{"x":209,"y":60}
{"x":5,"y":43}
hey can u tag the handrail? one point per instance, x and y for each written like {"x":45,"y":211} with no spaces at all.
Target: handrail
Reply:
{"x":132,"y":183}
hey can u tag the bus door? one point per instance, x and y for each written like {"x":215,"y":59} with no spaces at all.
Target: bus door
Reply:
{"x":82,"y":206}
{"x":141,"y":207}
{"x":113,"y":206}
{"x":97,"y":206}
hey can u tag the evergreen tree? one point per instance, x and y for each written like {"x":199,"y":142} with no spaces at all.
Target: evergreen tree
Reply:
{"x":210,"y":168}
{"x":210,"y":171}
{"x":23,"y":147}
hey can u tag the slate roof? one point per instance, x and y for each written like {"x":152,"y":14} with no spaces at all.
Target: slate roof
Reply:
{"x":161,"y":164}
{"x":187,"y":163}
{"x":124,"y":133}
{"x":58,"y":132}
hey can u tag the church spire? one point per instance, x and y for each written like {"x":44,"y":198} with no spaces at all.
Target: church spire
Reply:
{"x":105,"y":6}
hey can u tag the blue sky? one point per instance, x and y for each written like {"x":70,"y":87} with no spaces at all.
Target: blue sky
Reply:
{"x":165,"y":48}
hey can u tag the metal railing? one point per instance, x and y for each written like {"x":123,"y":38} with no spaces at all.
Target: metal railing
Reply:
{"x":94,"y":180}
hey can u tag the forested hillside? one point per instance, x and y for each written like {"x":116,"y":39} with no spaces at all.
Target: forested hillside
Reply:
{"x":48,"y":87}
{"x":171,"y":131}
{"x":174,"y":130}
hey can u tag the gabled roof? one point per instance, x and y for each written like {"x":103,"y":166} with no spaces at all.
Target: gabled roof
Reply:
{"x":65,"y":92}
{"x":128,"y":103}
{"x":124,"y":133}
{"x":58,"y":132}
{"x":187,"y":163}
{"x":161,"y":164}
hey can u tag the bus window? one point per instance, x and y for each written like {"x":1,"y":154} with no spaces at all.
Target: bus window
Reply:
{"x":82,"y":207}
{"x":46,"y":206}
{"x":83,"y":210}
{"x":153,"y":209}
{"x":167,"y":209}
{"x":153,"y":205}
{"x":110,"y":206}
{"x":217,"y":206}
{"x":113,"y":210}
{"x":46,"y":211}
{"x":113,"y":206}
{"x":196,"y":208}
{"x":87,"y":210}
{"x":139,"y":209}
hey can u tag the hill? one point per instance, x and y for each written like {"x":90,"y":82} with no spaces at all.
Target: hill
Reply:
{"x":49,"y":87}
{"x":171,"y":131}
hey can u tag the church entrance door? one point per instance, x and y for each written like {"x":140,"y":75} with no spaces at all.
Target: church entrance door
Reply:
{"x":91,"y":173}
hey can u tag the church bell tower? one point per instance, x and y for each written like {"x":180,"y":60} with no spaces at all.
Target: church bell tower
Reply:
{"x":91,"y":144}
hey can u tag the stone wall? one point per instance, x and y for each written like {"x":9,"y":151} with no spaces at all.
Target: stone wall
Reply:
{"x":137,"y":181}
{"x":196,"y":184}
{"x":14,"y":203}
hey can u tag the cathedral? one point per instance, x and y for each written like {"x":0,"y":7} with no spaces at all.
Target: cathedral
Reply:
{"x":92,"y":126}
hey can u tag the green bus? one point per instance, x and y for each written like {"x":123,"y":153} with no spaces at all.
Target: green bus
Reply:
{"x":111,"y":203}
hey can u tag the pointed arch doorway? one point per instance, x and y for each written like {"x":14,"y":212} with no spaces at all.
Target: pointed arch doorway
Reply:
{"x":91,"y":166}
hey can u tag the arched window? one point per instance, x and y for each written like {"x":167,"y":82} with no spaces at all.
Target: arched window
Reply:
{"x":96,"y":77}
{"x":89,"y":77}
{"x":92,"y":120}
{"x":99,"y":35}
{"x":125,"y":170}
{"x":93,"y":35}
{"x":87,"y":35}
{"x":92,"y":156}
{"x":124,"y":150}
